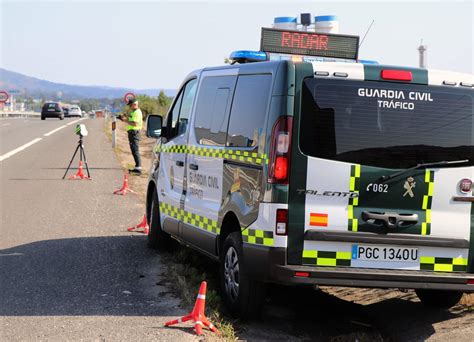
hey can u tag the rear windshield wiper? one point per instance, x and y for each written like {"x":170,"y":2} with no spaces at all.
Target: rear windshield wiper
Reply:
{"x":440,"y":163}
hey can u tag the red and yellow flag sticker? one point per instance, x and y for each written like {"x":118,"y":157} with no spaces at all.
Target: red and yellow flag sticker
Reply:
{"x":318,"y":219}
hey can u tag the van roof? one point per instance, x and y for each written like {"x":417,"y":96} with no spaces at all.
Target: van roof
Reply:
{"x":357,"y":71}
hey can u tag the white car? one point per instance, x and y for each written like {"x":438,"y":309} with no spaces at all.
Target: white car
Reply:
{"x":75,"y":111}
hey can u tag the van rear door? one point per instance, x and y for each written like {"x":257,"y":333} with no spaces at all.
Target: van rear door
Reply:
{"x":353,"y":136}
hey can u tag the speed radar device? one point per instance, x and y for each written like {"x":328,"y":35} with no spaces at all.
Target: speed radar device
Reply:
{"x":82,"y":132}
{"x":301,"y":165}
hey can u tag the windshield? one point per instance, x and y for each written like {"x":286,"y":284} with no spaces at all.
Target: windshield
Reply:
{"x":390,"y":125}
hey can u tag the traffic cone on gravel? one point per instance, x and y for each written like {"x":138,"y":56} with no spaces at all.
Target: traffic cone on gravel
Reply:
{"x":80,"y":172}
{"x":124,"y":189}
{"x":197,"y":315}
{"x":142,"y":225}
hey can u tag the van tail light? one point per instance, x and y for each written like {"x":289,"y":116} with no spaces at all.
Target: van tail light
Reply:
{"x":465,"y":185}
{"x":281,"y":227}
{"x":280,"y":151}
{"x":470,"y":281}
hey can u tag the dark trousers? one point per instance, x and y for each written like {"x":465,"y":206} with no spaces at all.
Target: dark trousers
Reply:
{"x":133,"y":139}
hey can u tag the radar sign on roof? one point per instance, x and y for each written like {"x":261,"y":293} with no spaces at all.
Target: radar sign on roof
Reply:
{"x":309,"y":43}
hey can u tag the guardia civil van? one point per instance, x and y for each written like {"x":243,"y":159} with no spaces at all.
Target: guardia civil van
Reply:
{"x":292,"y":169}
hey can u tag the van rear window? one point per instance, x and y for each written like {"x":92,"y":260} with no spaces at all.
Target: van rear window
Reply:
{"x":385,"y":124}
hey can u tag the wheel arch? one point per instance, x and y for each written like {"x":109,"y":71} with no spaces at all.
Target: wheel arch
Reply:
{"x":149,"y":197}
{"x":230,"y":224}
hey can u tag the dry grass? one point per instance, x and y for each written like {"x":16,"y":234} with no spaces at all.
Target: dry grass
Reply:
{"x":468,"y":300}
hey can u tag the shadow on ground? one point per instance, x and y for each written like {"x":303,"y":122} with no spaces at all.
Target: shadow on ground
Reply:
{"x":83,"y":276}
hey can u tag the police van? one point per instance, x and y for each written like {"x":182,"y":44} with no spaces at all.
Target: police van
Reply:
{"x":300,"y":165}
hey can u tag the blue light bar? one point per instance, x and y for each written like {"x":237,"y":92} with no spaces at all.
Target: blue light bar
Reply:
{"x":280,"y":20}
{"x":246,"y":56}
{"x":367,"y":62}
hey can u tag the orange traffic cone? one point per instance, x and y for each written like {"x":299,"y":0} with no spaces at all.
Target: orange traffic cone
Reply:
{"x":197,"y":315}
{"x":124,"y":189}
{"x":80,"y":172}
{"x":143,"y":224}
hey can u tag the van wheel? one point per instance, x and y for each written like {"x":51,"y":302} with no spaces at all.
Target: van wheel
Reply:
{"x":438,"y":298}
{"x":242,"y":295}
{"x":61,"y":118}
{"x":43,"y":118}
{"x":157,"y":238}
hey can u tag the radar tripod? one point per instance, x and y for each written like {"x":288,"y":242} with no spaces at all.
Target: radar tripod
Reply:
{"x":82,"y":157}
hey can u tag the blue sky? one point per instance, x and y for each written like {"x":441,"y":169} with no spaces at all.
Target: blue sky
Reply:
{"x":154,"y":44}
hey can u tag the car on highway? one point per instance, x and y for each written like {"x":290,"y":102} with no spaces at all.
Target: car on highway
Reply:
{"x":52,"y":110}
{"x":75,"y":111}
{"x":66,"y":111}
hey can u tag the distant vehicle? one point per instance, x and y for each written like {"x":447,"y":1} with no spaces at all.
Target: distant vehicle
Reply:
{"x":84,"y":113}
{"x":75,"y":111}
{"x":91,"y":114}
{"x":52,"y":110}
{"x":66,"y":111}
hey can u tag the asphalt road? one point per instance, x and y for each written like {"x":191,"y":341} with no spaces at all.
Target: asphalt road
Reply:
{"x":69,"y":270}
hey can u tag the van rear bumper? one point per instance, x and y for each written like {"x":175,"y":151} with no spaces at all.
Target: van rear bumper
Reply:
{"x":269,"y":265}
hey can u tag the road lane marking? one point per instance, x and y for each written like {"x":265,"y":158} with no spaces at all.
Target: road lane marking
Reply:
{"x":12,"y":254}
{"x":6,"y":124}
{"x":73,"y":122}
{"x":54,"y":131}
{"x":19,"y":149}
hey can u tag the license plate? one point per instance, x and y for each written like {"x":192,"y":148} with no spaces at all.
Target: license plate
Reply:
{"x":51,"y":110}
{"x":384,"y":253}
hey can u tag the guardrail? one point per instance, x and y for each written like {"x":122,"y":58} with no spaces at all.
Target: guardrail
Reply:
{"x":18,"y":114}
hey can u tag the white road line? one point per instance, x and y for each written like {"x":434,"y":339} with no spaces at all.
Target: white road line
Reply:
{"x":73,"y":122}
{"x":6,"y":124}
{"x":19,"y":149}
{"x":54,"y":131}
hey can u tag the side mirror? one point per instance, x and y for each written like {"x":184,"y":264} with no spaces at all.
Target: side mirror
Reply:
{"x":153,"y":126}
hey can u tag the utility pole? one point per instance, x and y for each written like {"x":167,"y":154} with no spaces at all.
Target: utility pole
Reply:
{"x":422,"y":49}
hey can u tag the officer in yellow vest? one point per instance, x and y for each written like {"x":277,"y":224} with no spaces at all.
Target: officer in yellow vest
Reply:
{"x":135,"y":124}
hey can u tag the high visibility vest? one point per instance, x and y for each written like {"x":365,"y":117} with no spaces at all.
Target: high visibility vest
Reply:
{"x":135,"y":116}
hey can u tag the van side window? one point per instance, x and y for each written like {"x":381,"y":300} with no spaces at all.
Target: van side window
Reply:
{"x":177,"y":119}
{"x":186,"y":106}
{"x":249,"y":108}
{"x":212,"y":109}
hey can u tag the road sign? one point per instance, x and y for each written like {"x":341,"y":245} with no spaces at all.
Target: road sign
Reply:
{"x":128,"y":96}
{"x":4,"y":96}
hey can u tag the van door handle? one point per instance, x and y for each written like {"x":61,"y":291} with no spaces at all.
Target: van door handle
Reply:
{"x":179,"y":163}
{"x":390,"y":220}
{"x":193,"y":167}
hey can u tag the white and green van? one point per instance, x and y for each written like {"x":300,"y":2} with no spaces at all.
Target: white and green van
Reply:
{"x":320,"y":173}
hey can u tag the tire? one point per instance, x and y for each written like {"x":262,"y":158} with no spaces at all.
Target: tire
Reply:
{"x":438,"y":298}
{"x":157,"y":238}
{"x":43,"y":118}
{"x":61,"y":118}
{"x":242,"y":295}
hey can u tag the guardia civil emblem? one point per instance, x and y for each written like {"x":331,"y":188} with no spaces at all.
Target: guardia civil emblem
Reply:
{"x":409,"y":186}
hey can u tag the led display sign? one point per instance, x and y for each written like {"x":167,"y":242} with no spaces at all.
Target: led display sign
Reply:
{"x":309,"y":43}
